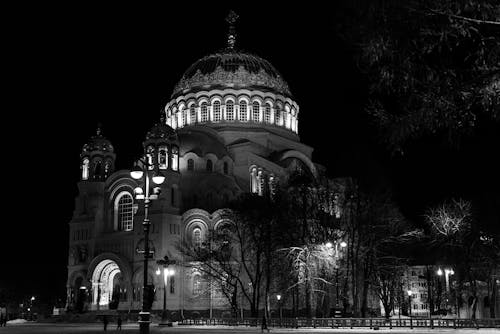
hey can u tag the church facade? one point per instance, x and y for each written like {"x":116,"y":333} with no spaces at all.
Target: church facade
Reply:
{"x":230,"y":127}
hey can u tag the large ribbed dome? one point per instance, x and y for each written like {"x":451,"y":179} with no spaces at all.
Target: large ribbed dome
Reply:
{"x":231,"y":68}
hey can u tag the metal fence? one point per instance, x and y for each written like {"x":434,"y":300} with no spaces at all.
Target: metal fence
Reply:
{"x":349,"y":322}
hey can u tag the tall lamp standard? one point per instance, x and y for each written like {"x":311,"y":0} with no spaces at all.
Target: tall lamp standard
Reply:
{"x":409,"y":302}
{"x":165,"y":262}
{"x":278,"y":297}
{"x":138,"y":173}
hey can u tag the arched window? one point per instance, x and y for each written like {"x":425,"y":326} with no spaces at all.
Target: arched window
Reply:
{"x":210,"y":165}
{"x":229,"y":111}
{"x":254,"y":185}
{"x":85,"y":169}
{"x":204,"y":112}
{"x":184,"y":117}
{"x":124,"y":212}
{"x":267,"y":113}
{"x":97,"y":170}
{"x":172,"y":196}
{"x":256,"y":112}
{"x":192,"y":114}
{"x":226,"y":168}
{"x":197,"y":285}
{"x":216,"y":110}
{"x":150,"y":151}
{"x":162,"y":157}
{"x":190,"y":165}
{"x":107,"y":168}
{"x":243,"y":111}
{"x":175,"y":158}
{"x":197,"y":239}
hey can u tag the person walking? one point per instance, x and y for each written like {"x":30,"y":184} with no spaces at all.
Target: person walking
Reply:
{"x":119,"y":323}
{"x":105,"y":322}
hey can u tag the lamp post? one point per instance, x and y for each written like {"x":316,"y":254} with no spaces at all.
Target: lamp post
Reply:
{"x":342,"y":245}
{"x":409,"y":302}
{"x":165,"y":262}
{"x":138,"y":173}
{"x":278,"y":297}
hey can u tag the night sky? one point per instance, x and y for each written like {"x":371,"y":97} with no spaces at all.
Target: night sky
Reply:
{"x":68,"y":68}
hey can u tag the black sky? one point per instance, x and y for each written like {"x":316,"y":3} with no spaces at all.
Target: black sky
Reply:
{"x":70,"y":67}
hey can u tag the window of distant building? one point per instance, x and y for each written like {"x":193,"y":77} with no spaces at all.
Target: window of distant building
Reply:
{"x":256,"y":111}
{"x":172,"y":284}
{"x":243,"y":111}
{"x":190,"y":165}
{"x":216,"y":110}
{"x":197,"y":285}
{"x":230,"y":111}
{"x":204,"y":112}
{"x":124,"y":212}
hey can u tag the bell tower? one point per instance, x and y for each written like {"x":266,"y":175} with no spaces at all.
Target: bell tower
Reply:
{"x":97,"y":160}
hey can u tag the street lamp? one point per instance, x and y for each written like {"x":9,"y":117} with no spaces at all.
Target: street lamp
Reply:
{"x":138,"y":173}
{"x":165,"y":262}
{"x":409,"y":302}
{"x":278,"y":297}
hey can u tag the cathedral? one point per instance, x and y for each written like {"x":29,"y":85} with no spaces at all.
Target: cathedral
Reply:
{"x":231,"y":126}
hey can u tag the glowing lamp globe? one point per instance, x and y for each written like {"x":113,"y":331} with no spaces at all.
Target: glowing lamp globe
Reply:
{"x":136,"y":173}
{"x":328,"y":245}
{"x":343,"y":244}
{"x":158,"y":179}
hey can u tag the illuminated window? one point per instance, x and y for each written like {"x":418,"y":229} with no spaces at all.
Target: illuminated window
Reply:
{"x":197,"y":240}
{"x":162,"y":157}
{"x":107,"y":168}
{"x":243,"y":111}
{"x":175,"y":158}
{"x":192,"y":114}
{"x":197,"y":285}
{"x":267,"y":113}
{"x":230,"y":111}
{"x":256,"y":112}
{"x":254,"y":185}
{"x":172,"y":284}
{"x":210,"y":166}
{"x":85,"y":169}
{"x":190,"y":165}
{"x":124,"y":212}
{"x":216,"y":109}
{"x":226,"y":167}
{"x":204,"y":112}
{"x":184,"y":117}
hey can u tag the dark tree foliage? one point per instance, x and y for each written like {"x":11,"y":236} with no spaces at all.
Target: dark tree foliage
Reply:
{"x":433,"y":66}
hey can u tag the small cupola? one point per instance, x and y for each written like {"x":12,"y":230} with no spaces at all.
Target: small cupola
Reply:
{"x":97,"y":160}
{"x":161,"y":147}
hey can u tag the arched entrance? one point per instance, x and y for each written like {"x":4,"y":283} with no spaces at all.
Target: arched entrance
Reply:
{"x":106,"y":285}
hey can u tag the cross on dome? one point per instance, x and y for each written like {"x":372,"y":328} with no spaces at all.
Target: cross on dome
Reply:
{"x":231,"y":19}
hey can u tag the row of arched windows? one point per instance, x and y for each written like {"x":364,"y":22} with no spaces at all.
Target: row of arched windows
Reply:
{"x":209,"y":166}
{"x":231,"y":111}
{"x":262,"y":183}
{"x":97,"y":170}
{"x":165,"y":156}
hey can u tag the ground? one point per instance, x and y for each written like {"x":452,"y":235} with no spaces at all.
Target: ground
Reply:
{"x":37,"y":328}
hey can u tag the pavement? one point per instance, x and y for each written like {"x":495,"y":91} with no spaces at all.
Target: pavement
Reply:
{"x":43,"y":328}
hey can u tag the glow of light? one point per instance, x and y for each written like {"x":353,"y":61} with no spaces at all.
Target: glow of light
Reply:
{"x":158,"y":271}
{"x":168,"y":272}
{"x":138,"y":190}
{"x":409,"y":292}
{"x":158,"y":179}
{"x":328,"y":245}
{"x":440,"y":272}
{"x":343,"y":244}
{"x":278,"y":297}
{"x":451,"y":272}
{"x":32,"y":298}
{"x":83,"y":288}
{"x":29,"y":309}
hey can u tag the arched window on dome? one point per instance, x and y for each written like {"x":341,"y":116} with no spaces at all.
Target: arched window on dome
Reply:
{"x":204,"y":112}
{"x":150,"y":152}
{"x":243,"y":112}
{"x":107,"y":168}
{"x":267,"y":113}
{"x":226,"y":168}
{"x":184,"y":117}
{"x":279,"y":117}
{"x":97,"y":170}
{"x":256,"y":111}
{"x":216,"y":111}
{"x":163,"y":157}
{"x":210,"y":165}
{"x":230,"y":111}
{"x":85,"y":169}
{"x":192,"y":114}
{"x":190,"y":165}
{"x":254,"y":184}
{"x":175,"y":158}
{"x":124,"y":212}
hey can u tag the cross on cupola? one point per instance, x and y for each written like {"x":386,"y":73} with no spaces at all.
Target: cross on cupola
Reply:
{"x":231,"y":19}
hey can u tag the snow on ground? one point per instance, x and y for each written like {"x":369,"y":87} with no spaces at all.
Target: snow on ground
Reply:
{"x":17,"y":321}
